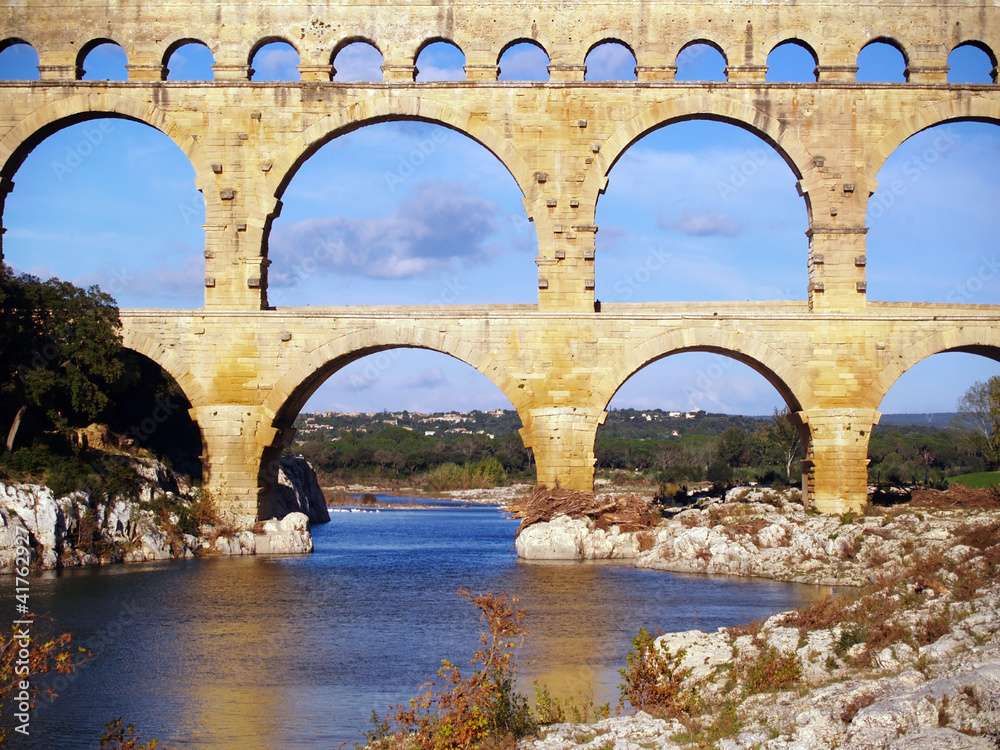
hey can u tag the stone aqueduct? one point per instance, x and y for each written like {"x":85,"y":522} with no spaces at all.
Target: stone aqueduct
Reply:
{"x":248,"y":368}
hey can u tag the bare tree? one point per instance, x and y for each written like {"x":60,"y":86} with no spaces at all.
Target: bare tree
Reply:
{"x":783,"y":434}
{"x":979,"y":418}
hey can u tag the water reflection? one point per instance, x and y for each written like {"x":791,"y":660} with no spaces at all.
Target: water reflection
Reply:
{"x":297,"y":651}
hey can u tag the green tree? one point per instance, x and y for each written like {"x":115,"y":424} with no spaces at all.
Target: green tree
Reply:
{"x":61,"y":351}
{"x":979,"y":418}
{"x":731,"y":445}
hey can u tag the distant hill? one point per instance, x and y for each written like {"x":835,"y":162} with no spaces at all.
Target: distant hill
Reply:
{"x":934,"y":419}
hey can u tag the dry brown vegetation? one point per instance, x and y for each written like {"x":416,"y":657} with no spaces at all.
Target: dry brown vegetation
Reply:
{"x":956,"y":497}
{"x":628,"y":512}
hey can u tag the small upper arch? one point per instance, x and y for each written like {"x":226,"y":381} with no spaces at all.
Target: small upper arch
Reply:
{"x":505,"y":41}
{"x":882,"y":60}
{"x":274,"y":70}
{"x":192,"y":44}
{"x":359,"y":58}
{"x":609,"y":58}
{"x":18,"y":60}
{"x":117,"y":67}
{"x":792,"y":60}
{"x":350,"y":40}
{"x":701,"y":59}
{"x":450,"y":66}
{"x":526,"y":60}
{"x":972,"y":61}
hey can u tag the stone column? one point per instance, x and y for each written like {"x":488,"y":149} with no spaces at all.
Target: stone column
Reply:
{"x":399,"y":71}
{"x":234,"y":438}
{"x":646,"y":73}
{"x":567,"y":73}
{"x":316,"y":73}
{"x":835,"y":472}
{"x":746,"y":72}
{"x":838,"y":201}
{"x":562,"y":209}
{"x":481,"y":72}
{"x":562,"y":439}
{"x":843,"y":73}
{"x":58,"y":63}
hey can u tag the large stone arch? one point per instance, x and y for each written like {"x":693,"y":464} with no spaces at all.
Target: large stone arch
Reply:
{"x":362,"y":113}
{"x":705,"y":106}
{"x":21,"y":139}
{"x":366,"y":112}
{"x":290,"y":393}
{"x":168,"y":360}
{"x":761,"y":357}
{"x":983,"y":340}
{"x":966,"y":108}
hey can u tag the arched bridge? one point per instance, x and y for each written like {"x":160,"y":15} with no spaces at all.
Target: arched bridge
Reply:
{"x":248,"y":368}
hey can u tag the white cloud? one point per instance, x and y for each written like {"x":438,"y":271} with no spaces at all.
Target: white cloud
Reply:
{"x":705,"y":224}
{"x":426,"y":379}
{"x":438,"y":227}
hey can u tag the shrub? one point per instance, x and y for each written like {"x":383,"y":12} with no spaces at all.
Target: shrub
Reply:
{"x":488,"y":472}
{"x":464,"y":712}
{"x":653,"y":679}
{"x":719,"y":472}
{"x":769,"y":672}
{"x":119,"y":737}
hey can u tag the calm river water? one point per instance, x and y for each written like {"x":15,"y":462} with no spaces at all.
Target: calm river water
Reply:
{"x":296,"y":652}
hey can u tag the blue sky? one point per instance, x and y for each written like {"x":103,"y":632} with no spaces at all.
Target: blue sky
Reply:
{"x":411,"y":213}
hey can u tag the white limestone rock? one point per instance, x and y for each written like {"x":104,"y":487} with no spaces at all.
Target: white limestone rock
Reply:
{"x":565,"y":538}
{"x":636,"y":732}
{"x":703,"y":652}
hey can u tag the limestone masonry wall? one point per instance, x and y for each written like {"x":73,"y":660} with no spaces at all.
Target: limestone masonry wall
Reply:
{"x":248,"y":368}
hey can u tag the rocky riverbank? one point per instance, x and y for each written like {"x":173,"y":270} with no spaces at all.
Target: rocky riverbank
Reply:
{"x":911,"y":661}
{"x":166,"y":520}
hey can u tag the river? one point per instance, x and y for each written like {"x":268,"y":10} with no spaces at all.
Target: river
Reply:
{"x":295,"y":652}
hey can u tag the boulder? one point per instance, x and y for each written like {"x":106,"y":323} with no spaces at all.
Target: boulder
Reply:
{"x":558,"y":539}
{"x":565,"y":538}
